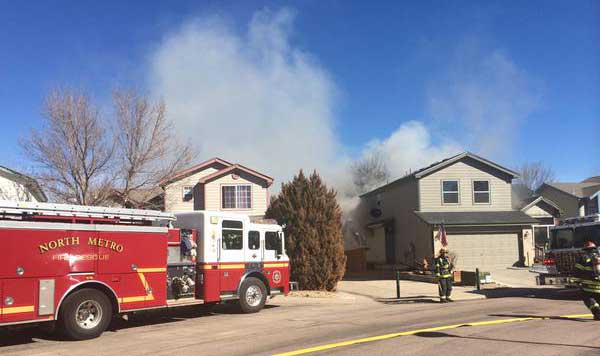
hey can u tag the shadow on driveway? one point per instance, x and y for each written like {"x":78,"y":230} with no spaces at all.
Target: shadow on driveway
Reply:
{"x":539,"y":293}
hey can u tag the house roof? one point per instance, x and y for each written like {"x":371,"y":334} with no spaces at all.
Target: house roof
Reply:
{"x":528,"y":203}
{"x":233,"y":168}
{"x":229,"y":167}
{"x":578,"y":190}
{"x":524,"y":198}
{"x":27,"y":181}
{"x":463,"y":218}
{"x":445,"y":163}
{"x":594,"y":179}
{"x":186,"y":172}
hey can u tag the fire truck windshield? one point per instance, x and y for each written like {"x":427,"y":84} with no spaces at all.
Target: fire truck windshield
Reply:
{"x":574,"y":236}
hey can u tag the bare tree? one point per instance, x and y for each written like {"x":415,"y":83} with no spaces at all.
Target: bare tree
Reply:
{"x":534,"y":174}
{"x":71,"y":150}
{"x":370,"y":171}
{"x":148,"y":150}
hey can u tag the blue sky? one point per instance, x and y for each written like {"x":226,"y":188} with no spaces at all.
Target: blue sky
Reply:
{"x":514,"y":81}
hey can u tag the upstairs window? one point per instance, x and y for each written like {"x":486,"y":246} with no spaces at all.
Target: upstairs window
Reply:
{"x":481,"y":192}
{"x":188,"y":193}
{"x":450,"y":192}
{"x":236,"y":197}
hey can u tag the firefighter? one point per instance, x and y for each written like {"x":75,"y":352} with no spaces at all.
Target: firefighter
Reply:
{"x":443,"y":271}
{"x":588,"y":278}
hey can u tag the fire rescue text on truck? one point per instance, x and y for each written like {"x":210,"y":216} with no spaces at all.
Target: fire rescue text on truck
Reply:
{"x":79,"y":266}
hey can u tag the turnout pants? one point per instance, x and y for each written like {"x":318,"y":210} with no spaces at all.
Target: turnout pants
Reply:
{"x":445,"y":287}
{"x":592,"y":301}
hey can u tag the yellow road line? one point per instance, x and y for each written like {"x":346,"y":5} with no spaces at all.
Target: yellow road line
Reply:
{"x":413,"y":332}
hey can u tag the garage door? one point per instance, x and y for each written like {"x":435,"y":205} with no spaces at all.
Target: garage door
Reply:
{"x":484,"y":251}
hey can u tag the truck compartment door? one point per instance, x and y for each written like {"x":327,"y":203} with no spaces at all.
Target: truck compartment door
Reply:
{"x":18,"y":300}
{"x":139,"y":259}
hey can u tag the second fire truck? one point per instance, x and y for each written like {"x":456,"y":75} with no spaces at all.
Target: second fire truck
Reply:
{"x":78,"y":266}
{"x":565,"y":246}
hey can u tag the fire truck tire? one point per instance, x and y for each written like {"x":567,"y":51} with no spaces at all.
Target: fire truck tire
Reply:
{"x":85,"y":314}
{"x":253,"y":295}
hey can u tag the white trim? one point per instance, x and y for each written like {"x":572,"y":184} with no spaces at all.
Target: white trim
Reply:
{"x":65,"y":210}
{"x":489,"y":191}
{"x":34,"y":225}
{"x":457,"y":190}
{"x":236,"y":185}
{"x":537,"y":200}
{"x":457,"y":158}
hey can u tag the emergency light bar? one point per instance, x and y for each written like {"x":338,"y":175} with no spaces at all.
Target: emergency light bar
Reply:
{"x":81,"y":211}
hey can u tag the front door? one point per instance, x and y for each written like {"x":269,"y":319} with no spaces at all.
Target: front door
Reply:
{"x":273,"y":246}
{"x":231,"y":256}
{"x":253,"y":250}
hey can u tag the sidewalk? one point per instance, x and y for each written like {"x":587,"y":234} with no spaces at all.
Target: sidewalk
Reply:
{"x":384,"y":290}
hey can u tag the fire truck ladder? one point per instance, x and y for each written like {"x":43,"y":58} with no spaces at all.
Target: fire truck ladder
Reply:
{"x":81,"y":212}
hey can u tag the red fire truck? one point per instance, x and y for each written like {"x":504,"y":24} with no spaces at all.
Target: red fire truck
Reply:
{"x":565,"y":246}
{"x":78,"y":266}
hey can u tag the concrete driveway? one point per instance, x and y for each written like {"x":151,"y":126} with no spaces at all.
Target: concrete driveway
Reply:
{"x":514,"y":277}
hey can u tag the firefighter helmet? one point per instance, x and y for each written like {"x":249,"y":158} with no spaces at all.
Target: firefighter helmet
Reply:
{"x":589,"y":245}
{"x":443,"y":250}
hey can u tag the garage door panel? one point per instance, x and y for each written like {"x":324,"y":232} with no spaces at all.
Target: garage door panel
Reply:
{"x":484,"y":251}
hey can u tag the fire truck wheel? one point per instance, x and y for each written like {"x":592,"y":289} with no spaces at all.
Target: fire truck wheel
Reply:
{"x":85,"y":314}
{"x":253,"y":295}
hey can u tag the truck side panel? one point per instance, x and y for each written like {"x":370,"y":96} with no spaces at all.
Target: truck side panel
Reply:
{"x":138,"y":261}
{"x":23,"y":294}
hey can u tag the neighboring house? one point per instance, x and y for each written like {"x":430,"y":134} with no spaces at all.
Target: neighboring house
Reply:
{"x":17,"y":186}
{"x":574,"y":199}
{"x":469,"y":195}
{"x":144,"y":198}
{"x":544,"y":210}
{"x":218,"y":185}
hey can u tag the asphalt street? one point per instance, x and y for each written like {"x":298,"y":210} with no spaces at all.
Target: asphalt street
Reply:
{"x":542,"y":321}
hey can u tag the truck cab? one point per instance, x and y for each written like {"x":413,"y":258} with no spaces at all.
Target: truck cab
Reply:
{"x":237,"y":258}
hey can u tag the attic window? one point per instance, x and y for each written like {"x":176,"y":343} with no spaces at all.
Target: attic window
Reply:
{"x":481,"y":192}
{"x":450,"y":192}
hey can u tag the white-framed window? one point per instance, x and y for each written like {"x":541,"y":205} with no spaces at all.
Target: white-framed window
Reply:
{"x":187,"y":193}
{"x":450,"y":192}
{"x":236,"y":196}
{"x":481,"y":192}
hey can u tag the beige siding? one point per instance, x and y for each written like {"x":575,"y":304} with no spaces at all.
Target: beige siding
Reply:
{"x":174,"y":192}
{"x":537,"y":212}
{"x":213,"y":195}
{"x":430,"y":189}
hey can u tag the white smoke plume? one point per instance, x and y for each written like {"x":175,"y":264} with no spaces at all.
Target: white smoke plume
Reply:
{"x":254,"y":97}
{"x":250,"y":97}
{"x":484,"y":98}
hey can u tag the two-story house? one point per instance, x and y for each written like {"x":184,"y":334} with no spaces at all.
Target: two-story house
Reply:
{"x":467,"y":194}
{"x":574,"y":199}
{"x":218,"y":185}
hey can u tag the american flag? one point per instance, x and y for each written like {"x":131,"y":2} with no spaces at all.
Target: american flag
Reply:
{"x":441,"y":235}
